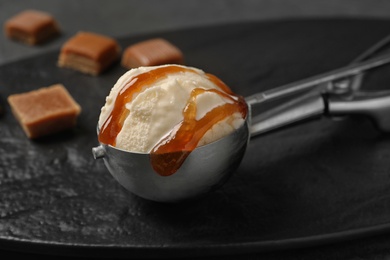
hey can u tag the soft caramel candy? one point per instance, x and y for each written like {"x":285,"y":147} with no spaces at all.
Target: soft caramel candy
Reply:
{"x":89,"y":53}
{"x":151,"y":52}
{"x":31,"y":27}
{"x":45,"y":111}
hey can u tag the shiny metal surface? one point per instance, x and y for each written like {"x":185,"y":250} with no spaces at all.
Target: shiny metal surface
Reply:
{"x":205,"y":169}
{"x":375,"y":105}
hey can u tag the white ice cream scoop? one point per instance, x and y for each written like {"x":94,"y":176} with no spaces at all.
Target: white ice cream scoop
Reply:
{"x":209,"y":166}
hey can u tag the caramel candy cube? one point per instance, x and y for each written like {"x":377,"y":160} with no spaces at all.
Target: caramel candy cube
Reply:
{"x":151,"y":53}
{"x":31,"y":27}
{"x":89,"y":53}
{"x":45,"y":111}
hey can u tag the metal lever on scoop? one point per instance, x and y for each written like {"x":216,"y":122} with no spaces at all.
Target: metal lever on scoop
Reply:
{"x":355,"y":82}
{"x":313,"y":82}
{"x":314,"y":104}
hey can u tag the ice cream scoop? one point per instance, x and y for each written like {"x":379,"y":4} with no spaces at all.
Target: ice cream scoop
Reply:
{"x":207,"y":167}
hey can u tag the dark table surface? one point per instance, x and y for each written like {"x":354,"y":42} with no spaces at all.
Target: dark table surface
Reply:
{"x":131,"y":18}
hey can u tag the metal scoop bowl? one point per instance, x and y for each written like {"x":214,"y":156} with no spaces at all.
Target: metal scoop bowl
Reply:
{"x":204,"y":170}
{"x":209,"y":166}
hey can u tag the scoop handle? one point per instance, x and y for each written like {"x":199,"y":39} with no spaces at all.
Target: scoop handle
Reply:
{"x":305,"y":107}
{"x":376,"y":105}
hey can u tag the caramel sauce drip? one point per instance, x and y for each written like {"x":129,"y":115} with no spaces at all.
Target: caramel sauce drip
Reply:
{"x":113,"y":124}
{"x":170,"y":153}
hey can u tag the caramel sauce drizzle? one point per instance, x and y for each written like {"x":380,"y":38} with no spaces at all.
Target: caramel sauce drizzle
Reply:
{"x":113,"y":124}
{"x":170,"y":153}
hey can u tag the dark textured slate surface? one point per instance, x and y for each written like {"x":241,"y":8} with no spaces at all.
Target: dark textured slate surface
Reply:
{"x":314,"y":183}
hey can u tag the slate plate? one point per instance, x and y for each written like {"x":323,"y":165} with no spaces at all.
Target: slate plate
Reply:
{"x":319,"y":182}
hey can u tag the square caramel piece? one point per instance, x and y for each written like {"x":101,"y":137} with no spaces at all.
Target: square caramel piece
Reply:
{"x":45,"y":111}
{"x":89,"y":53}
{"x":151,"y":52}
{"x":31,"y":27}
